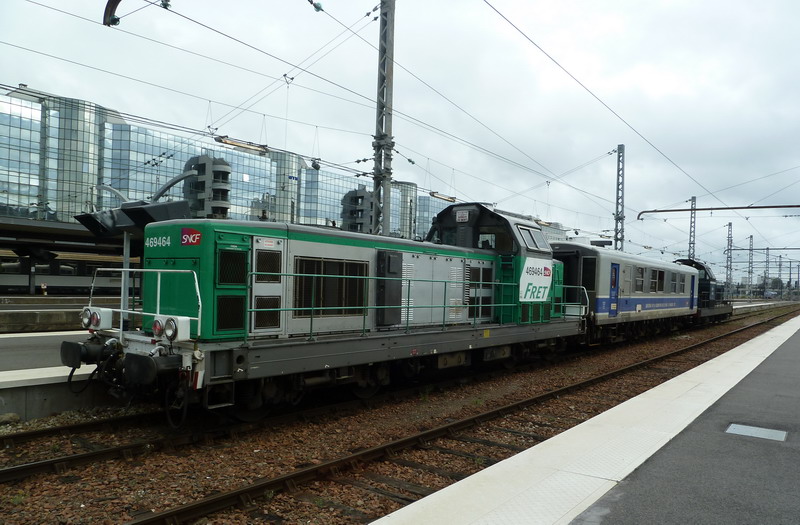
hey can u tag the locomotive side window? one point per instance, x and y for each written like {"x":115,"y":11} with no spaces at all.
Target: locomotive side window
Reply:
{"x":232,"y":267}
{"x":268,"y":261}
{"x":541,"y":240}
{"x":639,"y":279}
{"x":499,"y":238}
{"x":534,"y":239}
{"x":330,"y":288}
{"x":527,"y":236}
{"x":486,"y":241}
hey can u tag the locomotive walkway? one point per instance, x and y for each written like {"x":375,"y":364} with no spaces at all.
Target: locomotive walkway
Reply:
{"x":718,"y":444}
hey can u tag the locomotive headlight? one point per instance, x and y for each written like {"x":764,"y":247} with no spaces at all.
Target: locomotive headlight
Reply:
{"x":99,"y":318}
{"x":86,"y":316}
{"x":158,"y":328}
{"x":171,"y":329}
{"x":174,"y":328}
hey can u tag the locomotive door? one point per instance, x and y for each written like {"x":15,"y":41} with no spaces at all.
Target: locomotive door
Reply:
{"x":267,"y":287}
{"x":613,"y":294}
{"x":691,"y":295}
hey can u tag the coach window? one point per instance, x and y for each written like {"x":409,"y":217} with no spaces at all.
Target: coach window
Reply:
{"x":639,"y":279}
{"x":673,"y":282}
{"x":682,"y":283}
{"x":627,"y":275}
{"x":656,"y":280}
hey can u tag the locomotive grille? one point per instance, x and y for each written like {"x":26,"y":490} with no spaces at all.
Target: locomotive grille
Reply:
{"x":230,"y":312}
{"x":268,"y":261}
{"x":267,"y":319}
{"x":407,"y":313}
{"x":456,"y":277}
{"x":535,"y":312}
{"x":232,"y":267}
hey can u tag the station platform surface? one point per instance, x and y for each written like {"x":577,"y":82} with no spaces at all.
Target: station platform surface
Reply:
{"x":718,"y":444}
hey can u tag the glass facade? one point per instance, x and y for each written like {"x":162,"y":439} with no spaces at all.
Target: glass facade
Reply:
{"x":61,"y":157}
{"x":24,"y":181}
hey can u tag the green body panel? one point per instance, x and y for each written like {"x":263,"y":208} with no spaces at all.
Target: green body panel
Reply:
{"x":196,"y":245}
{"x":510,"y":271}
{"x":557,"y":290}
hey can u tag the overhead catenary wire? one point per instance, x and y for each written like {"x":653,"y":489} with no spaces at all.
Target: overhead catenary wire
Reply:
{"x":398,"y":114}
{"x":205,"y":98}
{"x":596,"y":97}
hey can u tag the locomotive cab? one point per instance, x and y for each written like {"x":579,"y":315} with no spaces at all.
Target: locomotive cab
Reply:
{"x":714,"y":306}
{"x":473,"y":226}
{"x":527,"y":282}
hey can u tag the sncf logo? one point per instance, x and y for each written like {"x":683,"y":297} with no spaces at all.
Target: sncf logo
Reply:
{"x":547,"y":272}
{"x":190,"y":237}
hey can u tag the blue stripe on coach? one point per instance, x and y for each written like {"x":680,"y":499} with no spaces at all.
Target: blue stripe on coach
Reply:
{"x":629,"y":304}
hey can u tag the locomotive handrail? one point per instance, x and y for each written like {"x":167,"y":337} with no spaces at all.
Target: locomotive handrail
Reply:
{"x":365,"y":309}
{"x":584,"y":307}
{"x":124,"y":310}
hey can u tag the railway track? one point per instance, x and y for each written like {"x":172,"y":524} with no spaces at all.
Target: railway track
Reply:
{"x":459,"y":452}
{"x":475,"y":440}
{"x":88,"y":442}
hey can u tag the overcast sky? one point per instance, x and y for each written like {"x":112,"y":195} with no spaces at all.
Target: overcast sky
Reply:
{"x":703,"y":94}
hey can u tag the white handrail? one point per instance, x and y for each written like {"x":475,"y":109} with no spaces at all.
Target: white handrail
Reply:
{"x":123,"y":310}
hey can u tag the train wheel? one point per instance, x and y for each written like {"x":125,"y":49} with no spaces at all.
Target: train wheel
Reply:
{"x":295,"y":397}
{"x":370,"y":381}
{"x":365,"y":392}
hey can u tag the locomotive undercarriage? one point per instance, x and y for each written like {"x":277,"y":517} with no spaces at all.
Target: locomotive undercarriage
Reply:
{"x":598,"y":334}
{"x":244,"y":378}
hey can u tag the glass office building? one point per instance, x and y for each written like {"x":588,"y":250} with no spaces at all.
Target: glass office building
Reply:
{"x":61,"y":157}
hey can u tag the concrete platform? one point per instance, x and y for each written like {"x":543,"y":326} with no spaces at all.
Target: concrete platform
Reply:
{"x":42,"y":392}
{"x":662,"y":457}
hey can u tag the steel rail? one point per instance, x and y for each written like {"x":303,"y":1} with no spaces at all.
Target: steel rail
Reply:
{"x":16,"y":438}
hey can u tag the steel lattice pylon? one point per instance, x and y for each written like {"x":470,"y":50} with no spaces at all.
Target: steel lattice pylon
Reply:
{"x":729,"y":264}
{"x":619,"y":215}
{"x":692,"y":222}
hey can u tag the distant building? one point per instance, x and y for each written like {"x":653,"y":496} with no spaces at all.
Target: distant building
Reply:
{"x":61,"y":157}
